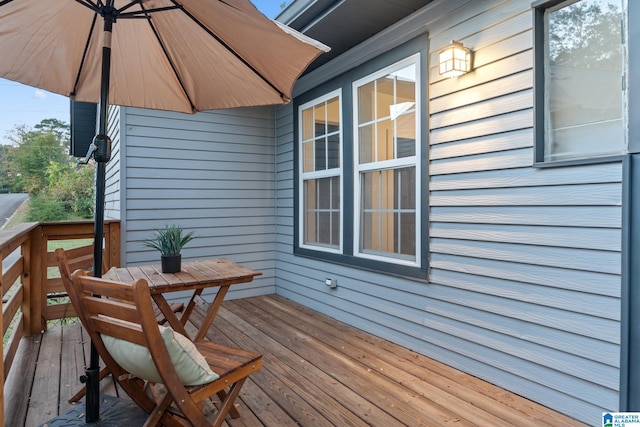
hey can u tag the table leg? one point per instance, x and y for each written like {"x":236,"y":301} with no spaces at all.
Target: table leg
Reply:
{"x":211,"y":313}
{"x":164,"y":306}
{"x":189,"y":309}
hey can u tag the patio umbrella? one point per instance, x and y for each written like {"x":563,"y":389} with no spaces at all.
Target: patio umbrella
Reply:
{"x":174,"y":55}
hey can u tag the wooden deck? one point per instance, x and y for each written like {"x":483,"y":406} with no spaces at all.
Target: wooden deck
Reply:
{"x":317,"y":372}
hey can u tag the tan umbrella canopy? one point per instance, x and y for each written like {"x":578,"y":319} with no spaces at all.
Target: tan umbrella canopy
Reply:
{"x":186,"y":56}
{"x":175,"y":55}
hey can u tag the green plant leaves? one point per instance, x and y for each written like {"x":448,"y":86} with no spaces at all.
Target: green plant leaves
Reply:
{"x":170,"y":240}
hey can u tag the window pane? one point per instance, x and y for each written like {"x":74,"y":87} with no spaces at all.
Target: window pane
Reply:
{"x":406,"y":135}
{"x":320,"y":120}
{"x":321,"y":154}
{"x":370,"y":191}
{"x":307,"y":124}
{"x":333,"y":115}
{"x":584,"y":70}
{"x":370,"y":232}
{"x":335,"y":193}
{"x":385,"y":97}
{"x":324,"y":193}
{"x":324,"y":227}
{"x":333,"y":151}
{"x":406,"y":185}
{"x":322,"y":124}
{"x":307,"y":149}
{"x":407,"y":241}
{"x":322,"y":211}
{"x":388,"y":215}
{"x":395,"y":124}
{"x":386,"y":132}
{"x":335,"y":228}
{"x":384,"y":141}
{"x":310,"y":227}
{"x":310,"y":195}
{"x":365,"y":143}
{"x":320,"y":207}
{"x":366,"y":99}
{"x":406,"y":85}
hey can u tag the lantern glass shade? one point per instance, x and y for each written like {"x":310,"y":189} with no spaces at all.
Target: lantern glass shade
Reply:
{"x":455,"y":60}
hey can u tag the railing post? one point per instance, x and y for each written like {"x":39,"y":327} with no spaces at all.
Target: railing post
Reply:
{"x":112,"y":243}
{"x":34,"y":319}
{"x":26,"y":284}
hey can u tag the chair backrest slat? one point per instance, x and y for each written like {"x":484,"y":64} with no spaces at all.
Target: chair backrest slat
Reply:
{"x":107,"y":326}
{"x":113,"y":308}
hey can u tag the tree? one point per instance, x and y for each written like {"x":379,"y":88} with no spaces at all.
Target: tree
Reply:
{"x":583,"y":35}
{"x":5,"y":182}
{"x":27,"y":162}
{"x":58,"y":128}
{"x":72,"y":187}
{"x":37,"y":162}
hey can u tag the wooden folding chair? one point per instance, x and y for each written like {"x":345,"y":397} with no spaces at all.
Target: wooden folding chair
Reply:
{"x":81,"y":258}
{"x":121,"y":314}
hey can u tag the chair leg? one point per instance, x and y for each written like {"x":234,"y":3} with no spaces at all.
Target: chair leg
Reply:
{"x":227,"y":406}
{"x":80,"y":394}
{"x":158,"y":411}
{"x":138,"y":392}
{"x":233,"y":411}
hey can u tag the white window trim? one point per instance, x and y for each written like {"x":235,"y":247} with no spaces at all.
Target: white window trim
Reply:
{"x":388,"y":164}
{"x":328,"y":173}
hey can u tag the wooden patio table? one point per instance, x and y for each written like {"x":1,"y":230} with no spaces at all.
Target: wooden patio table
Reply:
{"x":194,"y":276}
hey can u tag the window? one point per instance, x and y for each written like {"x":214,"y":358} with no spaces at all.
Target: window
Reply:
{"x":385,"y":146}
{"x":579,"y":63}
{"x":320,"y":135}
{"x":360,"y":150}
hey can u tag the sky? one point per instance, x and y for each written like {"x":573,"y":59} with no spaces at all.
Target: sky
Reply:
{"x":22,"y":104}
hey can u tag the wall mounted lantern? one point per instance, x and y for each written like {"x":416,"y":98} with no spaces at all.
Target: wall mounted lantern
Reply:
{"x":455,"y":60}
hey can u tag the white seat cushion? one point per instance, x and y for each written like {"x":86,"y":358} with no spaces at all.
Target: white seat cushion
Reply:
{"x":190,"y":365}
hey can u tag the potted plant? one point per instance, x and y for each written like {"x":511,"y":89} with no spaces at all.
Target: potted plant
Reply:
{"x":170,"y":241}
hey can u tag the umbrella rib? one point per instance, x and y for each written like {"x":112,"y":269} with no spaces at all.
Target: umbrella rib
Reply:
{"x":84,"y":54}
{"x":166,"y":54}
{"x":229,"y":48}
{"x":145,"y":12}
{"x":88,"y":4}
{"x":128,"y":6}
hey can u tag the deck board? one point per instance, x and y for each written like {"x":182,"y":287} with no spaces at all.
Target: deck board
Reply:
{"x":316,"y":372}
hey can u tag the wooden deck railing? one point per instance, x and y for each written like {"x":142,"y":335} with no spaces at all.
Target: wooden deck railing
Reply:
{"x":26,"y":284}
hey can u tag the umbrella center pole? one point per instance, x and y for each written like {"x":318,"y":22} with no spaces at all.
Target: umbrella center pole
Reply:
{"x":102,"y":154}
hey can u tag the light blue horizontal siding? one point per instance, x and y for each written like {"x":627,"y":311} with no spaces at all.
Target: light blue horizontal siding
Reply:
{"x":210,"y":172}
{"x":525,"y":263}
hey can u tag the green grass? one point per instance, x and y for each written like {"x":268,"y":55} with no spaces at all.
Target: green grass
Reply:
{"x":68,"y":244}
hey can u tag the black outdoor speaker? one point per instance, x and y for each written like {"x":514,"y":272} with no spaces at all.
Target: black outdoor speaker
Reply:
{"x":83,"y":127}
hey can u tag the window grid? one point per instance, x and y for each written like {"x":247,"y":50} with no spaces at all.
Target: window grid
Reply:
{"x":380,"y":214}
{"x":320,"y":177}
{"x":388,"y":220}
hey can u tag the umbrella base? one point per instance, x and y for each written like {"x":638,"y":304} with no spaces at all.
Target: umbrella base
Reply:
{"x":114,"y":412}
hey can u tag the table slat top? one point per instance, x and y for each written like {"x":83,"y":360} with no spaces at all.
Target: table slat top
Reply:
{"x":193,"y":275}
